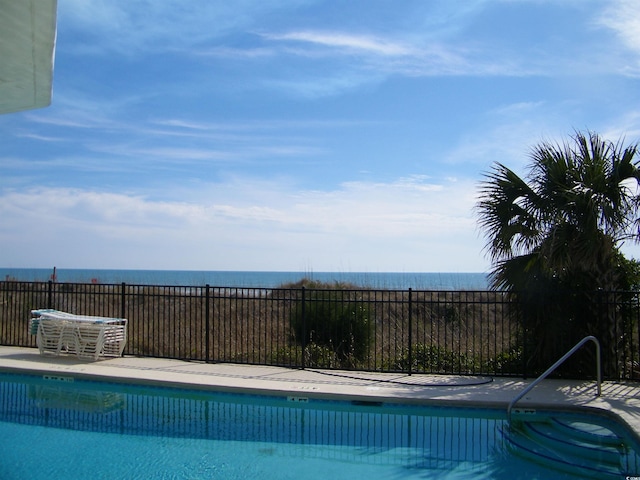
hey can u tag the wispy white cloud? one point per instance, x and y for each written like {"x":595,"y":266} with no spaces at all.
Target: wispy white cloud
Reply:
{"x":236,"y":53}
{"x":623,"y":17}
{"x":507,"y":133}
{"x":105,"y":140}
{"x":134,"y":26}
{"x":315,"y":61}
{"x":385,"y":55}
{"x":40,"y":138}
{"x":518,"y":109}
{"x":185,"y":131}
{"x":350,"y":42}
{"x":265,"y":124}
{"x":357,"y":215}
{"x":625,"y":128}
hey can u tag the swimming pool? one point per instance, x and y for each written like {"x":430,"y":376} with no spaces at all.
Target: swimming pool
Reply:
{"x":60,"y":427}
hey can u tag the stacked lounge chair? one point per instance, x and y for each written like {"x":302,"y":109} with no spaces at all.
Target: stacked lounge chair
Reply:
{"x":87,"y":337}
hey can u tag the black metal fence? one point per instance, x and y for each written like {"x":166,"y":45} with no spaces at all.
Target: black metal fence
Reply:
{"x":410,"y":331}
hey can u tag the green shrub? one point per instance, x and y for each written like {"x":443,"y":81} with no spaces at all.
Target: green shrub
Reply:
{"x":315,"y":356}
{"x":506,"y":362}
{"x":287,"y":356}
{"x":332,"y":320}
{"x":434,"y":359}
{"x":319,"y":356}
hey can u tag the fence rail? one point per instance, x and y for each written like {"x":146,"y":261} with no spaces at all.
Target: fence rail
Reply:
{"x":409,"y":331}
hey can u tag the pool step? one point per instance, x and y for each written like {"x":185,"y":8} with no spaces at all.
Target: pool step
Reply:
{"x":589,"y":432}
{"x":589,"y":450}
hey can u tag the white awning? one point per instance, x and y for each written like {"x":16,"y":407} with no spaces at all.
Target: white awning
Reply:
{"x":27,"y":47}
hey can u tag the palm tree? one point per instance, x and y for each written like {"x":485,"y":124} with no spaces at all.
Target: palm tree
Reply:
{"x":554,"y":239}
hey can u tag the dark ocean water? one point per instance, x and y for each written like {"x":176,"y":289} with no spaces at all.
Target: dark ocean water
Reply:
{"x":245,"y":279}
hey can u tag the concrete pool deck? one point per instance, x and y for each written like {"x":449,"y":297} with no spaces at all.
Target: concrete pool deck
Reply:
{"x":621,"y":399}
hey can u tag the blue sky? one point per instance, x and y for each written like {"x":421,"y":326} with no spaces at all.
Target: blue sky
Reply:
{"x":300,"y":135}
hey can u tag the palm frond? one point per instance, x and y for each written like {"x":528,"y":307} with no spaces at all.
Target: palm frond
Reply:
{"x":571,"y":211}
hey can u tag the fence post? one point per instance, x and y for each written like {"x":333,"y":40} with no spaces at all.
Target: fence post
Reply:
{"x":50,"y":295}
{"x":525,"y":341}
{"x":123,"y":312}
{"x":304,"y":327}
{"x":207,"y":320}
{"x":410,"y":349}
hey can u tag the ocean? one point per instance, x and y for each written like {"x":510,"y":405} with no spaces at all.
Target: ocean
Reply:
{"x":260,"y":279}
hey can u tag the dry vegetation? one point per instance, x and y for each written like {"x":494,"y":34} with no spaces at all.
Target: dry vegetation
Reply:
{"x":449,"y":332}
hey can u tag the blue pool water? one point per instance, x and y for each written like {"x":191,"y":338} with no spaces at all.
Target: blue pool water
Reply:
{"x":58,"y":427}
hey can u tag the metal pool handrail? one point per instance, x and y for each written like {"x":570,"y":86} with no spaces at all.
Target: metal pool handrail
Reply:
{"x":556,"y":365}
